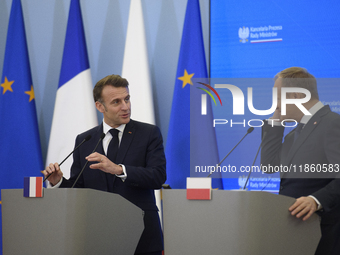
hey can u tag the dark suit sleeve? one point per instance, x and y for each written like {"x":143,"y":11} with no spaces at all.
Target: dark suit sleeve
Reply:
{"x":271,"y":144}
{"x":151,"y":174}
{"x":329,"y":196}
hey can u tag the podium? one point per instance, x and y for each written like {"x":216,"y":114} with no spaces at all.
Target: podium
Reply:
{"x":69,"y":221}
{"x":236,"y":222}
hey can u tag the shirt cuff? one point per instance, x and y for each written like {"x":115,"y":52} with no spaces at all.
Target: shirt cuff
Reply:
{"x":317,"y":202}
{"x":55,"y":186}
{"x":122,"y":176}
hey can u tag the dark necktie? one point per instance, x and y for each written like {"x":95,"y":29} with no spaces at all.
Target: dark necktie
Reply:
{"x":112,"y":155}
{"x":298,"y":130}
{"x":113,"y":146}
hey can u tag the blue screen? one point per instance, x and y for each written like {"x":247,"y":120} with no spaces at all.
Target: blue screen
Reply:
{"x":258,"y":39}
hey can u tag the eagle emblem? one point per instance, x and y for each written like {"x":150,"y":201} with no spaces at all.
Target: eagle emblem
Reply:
{"x":243,"y":33}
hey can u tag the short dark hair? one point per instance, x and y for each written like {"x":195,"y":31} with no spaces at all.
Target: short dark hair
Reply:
{"x":299,"y":77}
{"x":114,"y":80}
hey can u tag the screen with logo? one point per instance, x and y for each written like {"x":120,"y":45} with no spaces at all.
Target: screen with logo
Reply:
{"x":251,"y":41}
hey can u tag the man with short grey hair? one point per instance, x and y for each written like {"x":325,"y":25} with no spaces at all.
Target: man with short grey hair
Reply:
{"x":315,"y":142}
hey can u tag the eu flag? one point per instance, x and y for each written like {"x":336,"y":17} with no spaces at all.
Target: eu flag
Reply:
{"x":191,"y":138}
{"x":20,"y":153}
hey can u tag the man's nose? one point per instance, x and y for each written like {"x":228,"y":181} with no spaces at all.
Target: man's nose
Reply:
{"x":125,"y":105}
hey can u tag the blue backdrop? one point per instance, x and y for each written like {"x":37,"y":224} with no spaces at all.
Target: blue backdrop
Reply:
{"x":257,"y":39}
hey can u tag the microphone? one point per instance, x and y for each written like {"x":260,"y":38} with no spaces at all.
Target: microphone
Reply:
{"x":85,"y":139}
{"x":251,"y":129}
{"x":82,"y":170}
{"x":257,"y":153}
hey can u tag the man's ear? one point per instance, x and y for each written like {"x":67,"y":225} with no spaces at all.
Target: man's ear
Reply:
{"x":100,"y":107}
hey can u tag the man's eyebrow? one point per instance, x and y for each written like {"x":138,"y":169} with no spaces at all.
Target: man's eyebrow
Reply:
{"x":115,"y":99}
{"x":120,"y":98}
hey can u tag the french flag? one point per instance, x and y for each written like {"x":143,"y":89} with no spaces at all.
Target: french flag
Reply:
{"x":33,"y":187}
{"x":74,"y":110}
{"x":198,"y":188}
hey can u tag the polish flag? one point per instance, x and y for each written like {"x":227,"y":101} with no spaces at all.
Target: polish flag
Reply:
{"x":198,"y":188}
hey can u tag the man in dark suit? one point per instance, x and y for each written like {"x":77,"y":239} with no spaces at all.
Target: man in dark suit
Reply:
{"x":313,"y":144}
{"x":130,"y":161}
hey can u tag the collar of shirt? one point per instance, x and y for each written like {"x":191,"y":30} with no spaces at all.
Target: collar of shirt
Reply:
{"x":108,"y":136}
{"x":312,"y":110}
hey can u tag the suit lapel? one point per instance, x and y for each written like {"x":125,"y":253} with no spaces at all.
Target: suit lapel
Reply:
{"x":129,"y":133}
{"x":305,"y":133}
{"x":96,"y":137}
{"x":288,"y":143}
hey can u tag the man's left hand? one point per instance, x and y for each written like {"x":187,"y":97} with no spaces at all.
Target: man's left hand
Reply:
{"x":104,"y":164}
{"x":303,"y":206}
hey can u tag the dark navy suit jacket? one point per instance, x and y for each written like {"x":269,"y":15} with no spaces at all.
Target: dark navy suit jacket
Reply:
{"x":318,"y":145}
{"x":141,"y":152}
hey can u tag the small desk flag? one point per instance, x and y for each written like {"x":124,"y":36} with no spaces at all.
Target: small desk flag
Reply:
{"x":198,"y":188}
{"x":33,"y":187}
